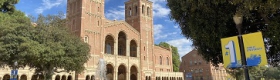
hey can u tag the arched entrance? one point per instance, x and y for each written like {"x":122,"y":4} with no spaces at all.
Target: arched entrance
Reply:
{"x":121,"y":72}
{"x":92,"y":77}
{"x":133,"y":73}
{"x":133,"y":48}
{"x":109,"y":45}
{"x":122,"y":44}
{"x":69,"y":77}
{"x":57,"y":77}
{"x":6,"y":77}
{"x":63,"y":77}
{"x":110,"y":72}
{"x":23,"y":77}
{"x":87,"y":77}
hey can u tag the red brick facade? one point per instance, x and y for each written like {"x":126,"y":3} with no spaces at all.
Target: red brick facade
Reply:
{"x":126,"y":46}
{"x":195,"y":67}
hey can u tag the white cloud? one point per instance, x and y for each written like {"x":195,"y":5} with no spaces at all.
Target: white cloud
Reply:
{"x":176,"y":27}
{"x":160,"y":11}
{"x":48,"y":4}
{"x":157,"y":29}
{"x":183,"y":45}
{"x":158,"y":32}
{"x":116,"y":13}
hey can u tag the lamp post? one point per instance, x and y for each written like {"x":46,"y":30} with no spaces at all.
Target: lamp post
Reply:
{"x":238,"y":21}
{"x":14,"y":71}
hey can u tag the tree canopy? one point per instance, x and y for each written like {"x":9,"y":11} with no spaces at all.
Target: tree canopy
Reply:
{"x":46,"y":46}
{"x":205,"y":22}
{"x":8,"y":6}
{"x":175,"y":55}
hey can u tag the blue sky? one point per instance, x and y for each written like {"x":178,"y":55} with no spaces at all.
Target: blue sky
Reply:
{"x":165,"y":30}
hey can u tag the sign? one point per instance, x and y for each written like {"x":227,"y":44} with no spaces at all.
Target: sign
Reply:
{"x":14,"y":72}
{"x":189,"y":76}
{"x":254,"y":49}
{"x":231,"y":52}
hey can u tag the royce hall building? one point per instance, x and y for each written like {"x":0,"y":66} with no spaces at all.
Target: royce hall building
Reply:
{"x":126,"y":46}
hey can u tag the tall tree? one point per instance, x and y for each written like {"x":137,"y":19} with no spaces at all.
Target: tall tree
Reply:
{"x":58,"y":48}
{"x":205,"y":22}
{"x":7,"y":6}
{"x":47,"y":47}
{"x":175,"y":55}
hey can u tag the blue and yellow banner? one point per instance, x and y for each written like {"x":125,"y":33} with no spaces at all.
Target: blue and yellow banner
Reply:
{"x":231,"y":52}
{"x":254,"y":49}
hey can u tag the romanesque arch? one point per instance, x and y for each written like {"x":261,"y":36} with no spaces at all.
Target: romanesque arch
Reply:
{"x":143,"y":9}
{"x":122,"y":44}
{"x":167,"y":60}
{"x":92,"y":77}
{"x":133,"y":73}
{"x":87,"y":77}
{"x":110,"y":72}
{"x":23,"y":77}
{"x":63,"y":77}
{"x":109,"y":45}
{"x":69,"y":77}
{"x":6,"y":77}
{"x":121,"y":72}
{"x":57,"y":77}
{"x":133,"y":48}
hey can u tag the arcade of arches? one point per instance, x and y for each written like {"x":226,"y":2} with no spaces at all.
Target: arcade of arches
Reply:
{"x":37,"y":77}
{"x":121,"y":48}
{"x":120,"y":73}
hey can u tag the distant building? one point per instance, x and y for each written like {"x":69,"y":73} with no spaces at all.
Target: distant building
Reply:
{"x":195,"y":67}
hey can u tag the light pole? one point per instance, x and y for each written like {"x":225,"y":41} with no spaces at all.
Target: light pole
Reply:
{"x":15,"y":71}
{"x":238,"y":21}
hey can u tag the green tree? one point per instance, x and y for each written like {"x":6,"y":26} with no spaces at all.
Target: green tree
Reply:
{"x":59,"y":49}
{"x":7,"y":6}
{"x":175,"y":55}
{"x":12,"y":27}
{"x":256,"y":73}
{"x":205,"y":22}
{"x":47,"y":48}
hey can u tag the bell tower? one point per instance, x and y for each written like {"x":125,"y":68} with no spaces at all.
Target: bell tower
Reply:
{"x":139,"y":14}
{"x":85,"y":19}
{"x":84,"y":15}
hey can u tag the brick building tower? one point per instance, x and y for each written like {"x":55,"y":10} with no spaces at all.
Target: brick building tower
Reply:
{"x":126,"y":46}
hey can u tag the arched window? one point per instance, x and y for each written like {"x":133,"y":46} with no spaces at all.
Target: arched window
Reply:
{"x":148,"y":11}
{"x":136,"y":10}
{"x":133,"y":48}
{"x":86,"y":39}
{"x":98,"y":9}
{"x":160,"y":60}
{"x":108,"y":48}
{"x":167,"y":61}
{"x":98,"y":23}
{"x":109,"y":45}
{"x":130,"y":12}
{"x":143,"y":9}
{"x":122,"y":44}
